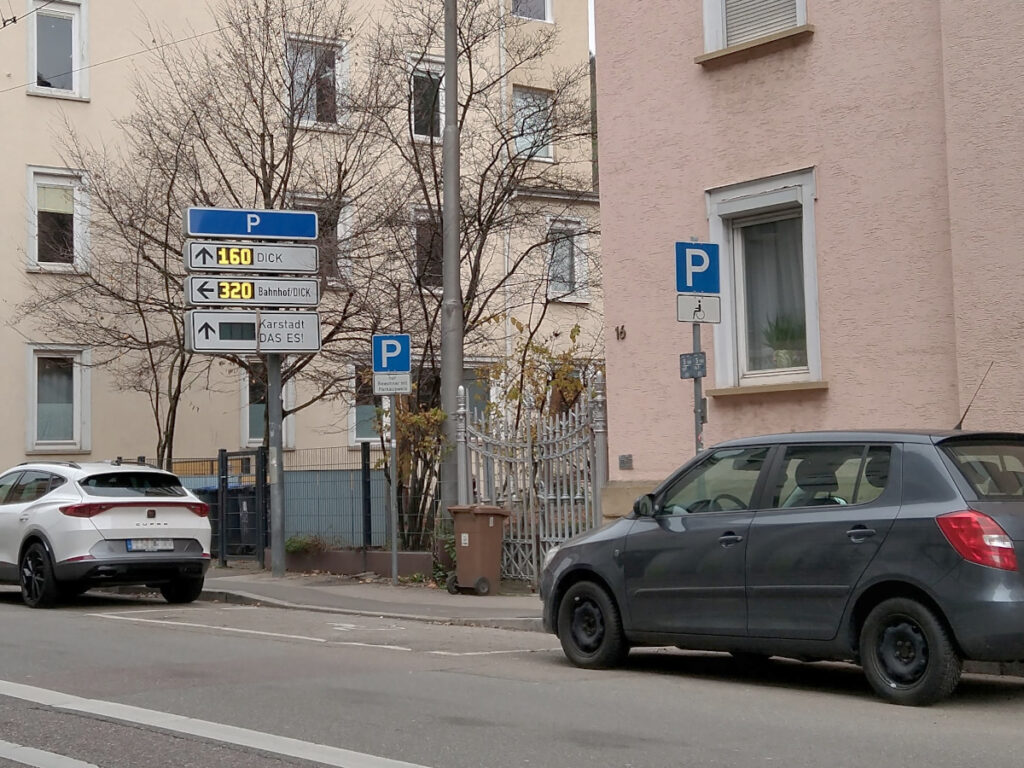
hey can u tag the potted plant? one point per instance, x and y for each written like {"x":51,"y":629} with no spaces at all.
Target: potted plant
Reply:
{"x":787,"y":336}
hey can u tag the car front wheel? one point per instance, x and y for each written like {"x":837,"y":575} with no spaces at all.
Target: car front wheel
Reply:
{"x":907,"y":655}
{"x":182,"y":590}
{"x":589,"y":627}
{"x":38,"y":584}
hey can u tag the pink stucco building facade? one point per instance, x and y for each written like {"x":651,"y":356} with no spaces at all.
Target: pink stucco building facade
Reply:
{"x":861,"y":166}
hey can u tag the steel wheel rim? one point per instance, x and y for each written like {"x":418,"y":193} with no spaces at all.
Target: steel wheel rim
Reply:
{"x":587,"y":625}
{"x":902,"y":652}
{"x":33,"y":575}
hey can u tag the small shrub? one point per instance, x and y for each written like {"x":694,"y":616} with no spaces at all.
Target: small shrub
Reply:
{"x":305,"y":545}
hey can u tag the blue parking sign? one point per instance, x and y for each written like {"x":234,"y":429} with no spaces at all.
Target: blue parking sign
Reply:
{"x":697,"y":268}
{"x":392,"y":353}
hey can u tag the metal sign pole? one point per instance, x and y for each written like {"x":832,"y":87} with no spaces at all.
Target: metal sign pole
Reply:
{"x":392,"y":409}
{"x":276,"y":445}
{"x":698,"y":402}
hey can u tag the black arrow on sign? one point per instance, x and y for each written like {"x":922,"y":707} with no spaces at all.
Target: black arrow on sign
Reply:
{"x":205,"y":254}
{"x":206,"y":329}
{"x":205,"y":289}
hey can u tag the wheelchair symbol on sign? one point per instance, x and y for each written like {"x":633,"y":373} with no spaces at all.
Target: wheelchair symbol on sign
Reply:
{"x":698,"y":311}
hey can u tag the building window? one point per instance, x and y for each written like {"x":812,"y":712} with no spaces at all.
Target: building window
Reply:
{"x":769,"y":329}
{"x":57,"y":202}
{"x":254,"y":408}
{"x":427,"y":99}
{"x":532,"y":111}
{"x":731,"y":22}
{"x":365,"y":421}
{"x":335,"y":238}
{"x":58,"y":387}
{"x":315,"y":71}
{"x":429,"y":255}
{"x":532,"y":9}
{"x":567,"y":265}
{"x":57,"y":48}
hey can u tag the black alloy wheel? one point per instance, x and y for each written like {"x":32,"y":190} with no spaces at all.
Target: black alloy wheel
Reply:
{"x":38,"y":584}
{"x":589,"y":627}
{"x":907,"y":655}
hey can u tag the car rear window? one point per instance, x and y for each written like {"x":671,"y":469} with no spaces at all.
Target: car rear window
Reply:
{"x":994,"y":469}
{"x":132,"y":484}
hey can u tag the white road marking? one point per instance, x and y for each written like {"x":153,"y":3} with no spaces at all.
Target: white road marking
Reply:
{"x":196,"y":625}
{"x":342,"y":627}
{"x":37,"y":758}
{"x":371,"y":645}
{"x":227,"y":734}
{"x":491,"y":653}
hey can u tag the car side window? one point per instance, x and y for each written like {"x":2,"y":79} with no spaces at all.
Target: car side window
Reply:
{"x":724,"y":481}
{"x":31,"y":486}
{"x":6,"y":483}
{"x":827,"y":475}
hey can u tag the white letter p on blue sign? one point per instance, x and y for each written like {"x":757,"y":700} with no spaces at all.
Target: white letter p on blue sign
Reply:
{"x":697,"y":269}
{"x":392,"y":353}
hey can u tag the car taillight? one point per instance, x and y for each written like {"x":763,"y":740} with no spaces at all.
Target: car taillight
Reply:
{"x":199,"y":508}
{"x":90,"y":509}
{"x":979,"y":539}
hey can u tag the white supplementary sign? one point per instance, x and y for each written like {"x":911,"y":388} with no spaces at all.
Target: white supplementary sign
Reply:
{"x":251,"y":331}
{"x":698,"y":308}
{"x":392,"y":383}
{"x":246,"y":291}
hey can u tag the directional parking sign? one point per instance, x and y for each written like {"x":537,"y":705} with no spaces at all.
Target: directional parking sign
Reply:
{"x":697,"y":268}
{"x":256,"y":224}
{"x":246,"y":291}
{"x":232,"y":331}
{"x":270,"y":258}
{"x":392,"y":363}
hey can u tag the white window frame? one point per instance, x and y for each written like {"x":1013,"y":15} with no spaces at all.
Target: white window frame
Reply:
{"x":546,"y":152}
{"x":77,"y":11}
{"x":82,"y":392}
{"x":548,"y":13}
{"x":580,"y":292}
{"x":288,"y":401}
{"x":431,"y":65}
{"x":714,"y":23}
{"x":341,"y":77}
{"x":58,"y":177}
{"x":353,"y":438}
{"x":727,"y":207}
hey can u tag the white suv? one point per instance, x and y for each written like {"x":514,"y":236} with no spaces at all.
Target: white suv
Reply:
{"x":66,"y":527}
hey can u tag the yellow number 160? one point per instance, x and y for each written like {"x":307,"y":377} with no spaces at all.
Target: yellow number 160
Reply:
{"x":234,"y":255}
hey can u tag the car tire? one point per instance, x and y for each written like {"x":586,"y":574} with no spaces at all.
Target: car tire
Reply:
{"x":907,"y":655}
{"x":38,"y":583}
{"x":182,"y":590}
{"x":590,"y":628}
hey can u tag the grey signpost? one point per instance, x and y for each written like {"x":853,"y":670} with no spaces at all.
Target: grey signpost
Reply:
{"x":242,"y":247}
{"x":698,"y":301}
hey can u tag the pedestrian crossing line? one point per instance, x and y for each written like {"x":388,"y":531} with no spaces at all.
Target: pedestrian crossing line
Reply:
{"x":37,"y":758}
{"x":335,"y":757}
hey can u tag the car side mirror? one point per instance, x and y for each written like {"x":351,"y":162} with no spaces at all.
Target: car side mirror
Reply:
{"x":644,"y":505}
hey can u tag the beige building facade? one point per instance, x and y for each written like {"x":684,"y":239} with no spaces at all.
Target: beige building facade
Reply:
{"x":859,"y":166}
{"x":67,"y":66}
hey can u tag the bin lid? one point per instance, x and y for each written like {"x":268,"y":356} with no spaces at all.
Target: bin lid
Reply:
{"x":479,"y":509}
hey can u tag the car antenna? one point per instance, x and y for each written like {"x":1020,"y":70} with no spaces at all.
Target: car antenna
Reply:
{"x":960,"y":424}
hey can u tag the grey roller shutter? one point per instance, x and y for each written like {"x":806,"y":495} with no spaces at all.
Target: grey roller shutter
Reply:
{"x":750,"y":19}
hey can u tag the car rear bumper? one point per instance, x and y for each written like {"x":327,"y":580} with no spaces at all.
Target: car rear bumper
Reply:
{"x":132,"y":570}
{"x":985,"y":609}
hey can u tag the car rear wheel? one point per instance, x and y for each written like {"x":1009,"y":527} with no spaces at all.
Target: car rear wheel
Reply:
{"x":38,"y":584}
{"x":589,"y":627}
{"x":907,"y":655}
{"x":182,"y":590}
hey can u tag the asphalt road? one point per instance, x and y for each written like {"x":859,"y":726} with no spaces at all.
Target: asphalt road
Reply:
{"x":114,"y":682}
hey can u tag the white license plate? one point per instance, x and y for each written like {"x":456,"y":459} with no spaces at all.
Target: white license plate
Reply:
{"x":150,"y":545}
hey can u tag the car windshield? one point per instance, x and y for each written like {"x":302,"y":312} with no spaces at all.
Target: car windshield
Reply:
{"x":994,"y":469}
{"x":132,"y":484}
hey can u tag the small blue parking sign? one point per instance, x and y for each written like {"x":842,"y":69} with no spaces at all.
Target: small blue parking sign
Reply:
{"x":697,"y":268}
{"x":391,"y":353}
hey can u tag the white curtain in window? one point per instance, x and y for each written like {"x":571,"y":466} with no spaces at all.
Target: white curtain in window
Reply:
{"x":303,"y":87}
{"x":774,"y":286}
{"x":55,"y":399}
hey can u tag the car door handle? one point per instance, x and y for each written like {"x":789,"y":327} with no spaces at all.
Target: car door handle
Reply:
{"x":860,"y":533}
{"x":730,"y":538}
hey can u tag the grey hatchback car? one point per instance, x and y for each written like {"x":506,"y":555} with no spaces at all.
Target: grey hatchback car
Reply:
{"x":895,"y":550}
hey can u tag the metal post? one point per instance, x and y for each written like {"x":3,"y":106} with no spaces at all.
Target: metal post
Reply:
{"x":261,"y":504}
{"x":222,"y":507}
{"x":452,"y":326}
{"x":460,"y":448}
{"x":698,"y":401}
{"x":392,"y":409}
{"x":274,"y":413}
{"x":367,"y":513}
{"x":600,"y":445}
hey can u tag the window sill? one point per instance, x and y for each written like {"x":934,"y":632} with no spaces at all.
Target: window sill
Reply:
{"x":764,"y":389}
{"x":757,"y":47}
{"x":56,"y":268}
{"x":62,"y":449}
{"x":569,"y":299}
{"x":51,"y":93}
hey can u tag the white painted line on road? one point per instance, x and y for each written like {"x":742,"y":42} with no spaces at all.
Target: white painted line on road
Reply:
{"x":491,"y":653}
{"x":37,"y":758}
{"x":130,"y":611}
{"x":195,"y":625}
{"x":343,"y":627}
{"x":371,"y":645}
{"x":226,"y":734}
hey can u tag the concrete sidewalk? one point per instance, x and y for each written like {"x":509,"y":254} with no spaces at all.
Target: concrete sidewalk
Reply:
{"x":372,"y":596}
